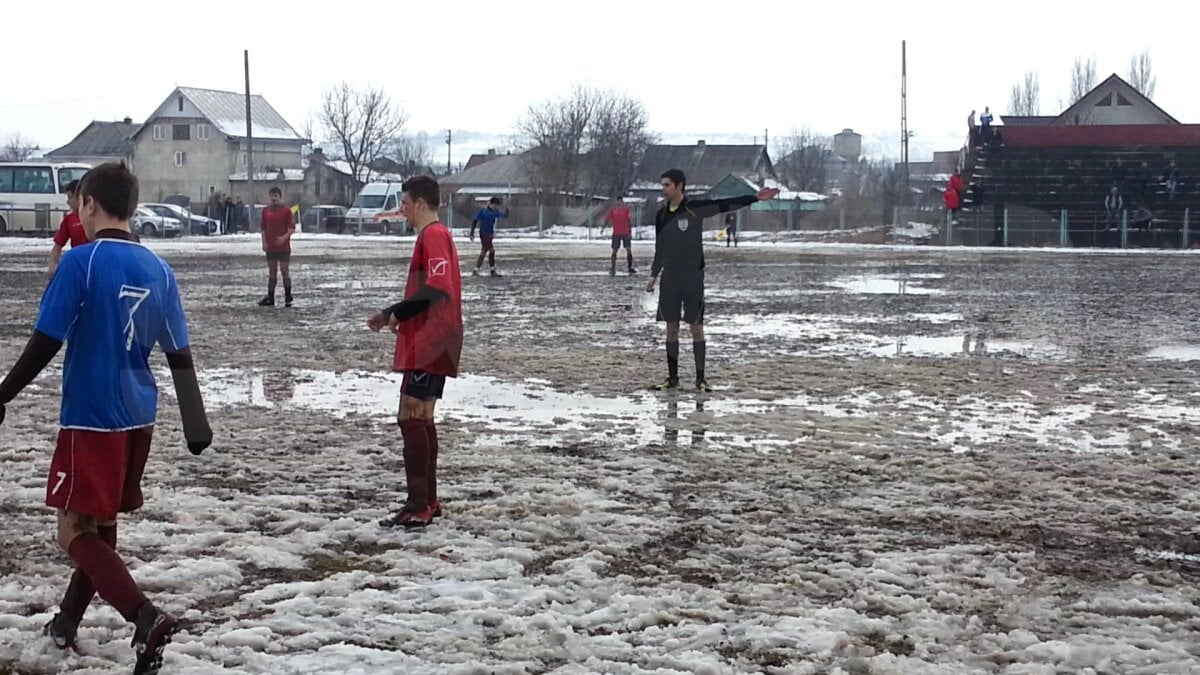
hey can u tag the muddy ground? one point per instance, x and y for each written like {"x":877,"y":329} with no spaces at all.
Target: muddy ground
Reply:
{"x":915,"y":460}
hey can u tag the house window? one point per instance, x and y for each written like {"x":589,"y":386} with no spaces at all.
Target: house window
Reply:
{"x":159,"y":132}
{"x":202,"y":132}
{"x":180,"y":158}
{"x":180,"y":104}
{"x":1121,"y":100}
{"x":243,"y":159}
{"x":1105,"y":102}
{"x":181,"y":132}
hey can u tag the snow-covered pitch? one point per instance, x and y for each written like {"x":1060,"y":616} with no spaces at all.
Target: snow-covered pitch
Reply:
{"x":931,"y":461}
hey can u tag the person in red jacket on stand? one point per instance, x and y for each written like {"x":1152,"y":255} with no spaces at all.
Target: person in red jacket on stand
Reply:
{"x":952,"y":199}
{"x":956,"y":182}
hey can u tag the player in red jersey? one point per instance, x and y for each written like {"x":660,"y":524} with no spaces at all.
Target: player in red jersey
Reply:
{"x":622,"y":235}
{"x":429,"y":337}
{"x":71,"y":230}
{"x":278,"y":226}
{"x":110,"y":301}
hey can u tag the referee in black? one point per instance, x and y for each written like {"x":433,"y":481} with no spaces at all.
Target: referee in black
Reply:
{"x":679,"y":251}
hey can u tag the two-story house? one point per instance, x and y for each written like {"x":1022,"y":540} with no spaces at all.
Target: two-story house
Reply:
{"x":195,"y":143}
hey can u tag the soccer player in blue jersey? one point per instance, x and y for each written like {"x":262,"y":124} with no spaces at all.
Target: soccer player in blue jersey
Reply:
{"x":110,"y":301}
{"x":486,"y":220}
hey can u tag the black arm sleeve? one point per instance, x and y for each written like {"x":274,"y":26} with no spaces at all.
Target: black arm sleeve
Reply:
{"x":416,"y":305}
{"x":39,"y":352}
{"x":707,"y":208}
{"x":191,"y":405}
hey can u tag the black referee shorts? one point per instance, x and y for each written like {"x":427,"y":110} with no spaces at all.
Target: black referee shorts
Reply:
{"x":681,"y":297}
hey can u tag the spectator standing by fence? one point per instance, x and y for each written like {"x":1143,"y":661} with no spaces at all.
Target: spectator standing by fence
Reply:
{"x":1171,"y":180}
{"x":1114,"y":204}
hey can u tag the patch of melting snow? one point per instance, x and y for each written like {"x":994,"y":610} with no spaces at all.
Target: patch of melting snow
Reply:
{"x":1169,"y":556}
{"x":1175,"y":353}
{"x":935,"y":318}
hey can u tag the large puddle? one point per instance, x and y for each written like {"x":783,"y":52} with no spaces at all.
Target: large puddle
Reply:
{"x":872,"y":284}
{"x":530,"y":412}
{"x":843,"y":336}
{"x":537,"y":413}
{"x":1182,"y":353}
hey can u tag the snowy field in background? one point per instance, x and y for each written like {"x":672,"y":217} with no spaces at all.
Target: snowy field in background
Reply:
{"x":916,"y":460}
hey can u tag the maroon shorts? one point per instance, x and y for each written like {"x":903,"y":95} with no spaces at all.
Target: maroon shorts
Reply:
{"x":486,"y":241}
{"x":98,"y":473}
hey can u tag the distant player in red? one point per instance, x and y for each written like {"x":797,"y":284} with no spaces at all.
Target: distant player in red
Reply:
{"x":622,"y":235}
{"x":111,"y":301}
{"x":429,"y":338}
{"x":278,"y":226}
{"x":71,"y":230}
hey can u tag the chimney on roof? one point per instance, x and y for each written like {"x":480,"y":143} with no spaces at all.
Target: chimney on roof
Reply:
{"x":491,"y":152}
{"x":701,"y":143}
{"x":128,"y":120}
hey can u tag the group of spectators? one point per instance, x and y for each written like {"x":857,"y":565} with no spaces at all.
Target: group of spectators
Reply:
{"x":1138,"y":191}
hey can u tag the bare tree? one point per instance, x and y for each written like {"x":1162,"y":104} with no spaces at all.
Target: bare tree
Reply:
{"x":555,"y":134}
{"x":1026,"y":97}
{"x":363,"y":122}
{"x":617,"y":139}
{"x":411,"y":151}
{"x":1141,"y":74}
{"x":803,"y":156}
{"x":590,"y":136}
{"x":17,"y":148}
{"x":1083,"y":78}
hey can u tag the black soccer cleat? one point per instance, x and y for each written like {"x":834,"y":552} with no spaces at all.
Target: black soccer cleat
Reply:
{"x":288,"y":301}
{"x":58,"y":631}
{"x":670,"y":383}
{"x":632,"y":271}
{"x":267,"y":302}
{"x":702,"y":386}
{"x":153,"y":630}
{"x":496,"y":274}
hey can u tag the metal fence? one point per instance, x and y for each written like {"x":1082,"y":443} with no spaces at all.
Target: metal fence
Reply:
{"x":1026,"y":228}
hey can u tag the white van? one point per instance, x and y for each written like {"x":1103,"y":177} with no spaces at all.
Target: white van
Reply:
{"x":376,"y":208}
{"x":33,"y":194}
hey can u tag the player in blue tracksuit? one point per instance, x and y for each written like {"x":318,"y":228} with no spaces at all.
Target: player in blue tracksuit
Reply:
{"x":486,"y":221}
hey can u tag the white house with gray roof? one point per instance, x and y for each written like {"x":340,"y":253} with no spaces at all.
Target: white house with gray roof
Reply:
{"x":195,"y":142}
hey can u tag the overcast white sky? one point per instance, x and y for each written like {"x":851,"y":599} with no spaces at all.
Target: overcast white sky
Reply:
{"x":701,"y":67}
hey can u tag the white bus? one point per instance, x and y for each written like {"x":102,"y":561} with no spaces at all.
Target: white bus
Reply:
{"x":32,"y":195}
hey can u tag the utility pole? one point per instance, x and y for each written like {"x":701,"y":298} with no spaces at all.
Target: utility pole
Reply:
{"x":449,"y":147}
{"x":249,"y":143}
{"x":904,"y":119}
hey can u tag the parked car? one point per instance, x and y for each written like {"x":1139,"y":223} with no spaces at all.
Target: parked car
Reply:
{"x":199,"y":224}
{"x":324,"y":218}
{"x":150,"y":224}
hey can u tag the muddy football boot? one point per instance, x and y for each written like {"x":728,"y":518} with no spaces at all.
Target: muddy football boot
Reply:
{"x":153,"y":630}
{"x":60,"y":632}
